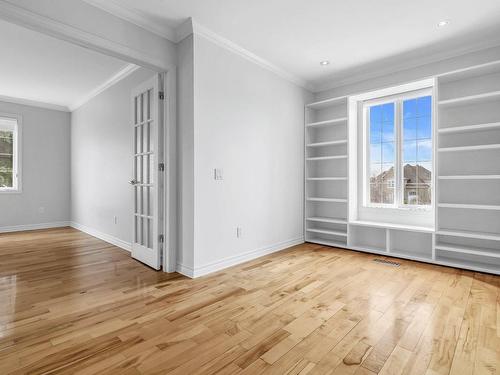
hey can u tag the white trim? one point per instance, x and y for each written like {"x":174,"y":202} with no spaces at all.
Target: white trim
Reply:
{"x":17,"y":153}
{"x":185,"y":270}
{"x":102,"y":236}
{"x":397,"y":90}
{"x":170,"y":181}
{"x":233,"y":47}
{"x":33,"y":103}
{"x":236,"y":259}
{"x":117,"y":77}
{"x":136,"y":17}
{"x":397,"y":99}
{"x":21,"y":228}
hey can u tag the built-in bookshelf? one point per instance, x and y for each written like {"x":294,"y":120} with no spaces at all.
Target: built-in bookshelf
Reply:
{"x":467,"y":182}
{"x":326,"y":142}
{"x":468,"y":207}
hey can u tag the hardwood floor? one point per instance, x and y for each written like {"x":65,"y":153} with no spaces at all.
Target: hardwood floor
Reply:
{"x":72,"y":304}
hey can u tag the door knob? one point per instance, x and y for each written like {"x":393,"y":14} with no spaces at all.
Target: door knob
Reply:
{"x":133,"y":182}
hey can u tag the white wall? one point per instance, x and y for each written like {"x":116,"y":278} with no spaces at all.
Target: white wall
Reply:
{"x":45,"y":196}
{"x":250,"y":123}
{"x":101,"y":160}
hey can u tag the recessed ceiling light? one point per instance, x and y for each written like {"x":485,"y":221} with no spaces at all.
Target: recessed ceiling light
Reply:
{"x":324,"y":62}
{"x":443,"y":23}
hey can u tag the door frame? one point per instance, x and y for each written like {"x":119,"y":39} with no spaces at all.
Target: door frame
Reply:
{"x":63,"y":31}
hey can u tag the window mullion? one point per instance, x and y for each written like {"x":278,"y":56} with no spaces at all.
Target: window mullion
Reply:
{"x":398,"y":145}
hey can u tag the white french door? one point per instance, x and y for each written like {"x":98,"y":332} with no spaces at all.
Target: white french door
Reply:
{"x":147,"y":179}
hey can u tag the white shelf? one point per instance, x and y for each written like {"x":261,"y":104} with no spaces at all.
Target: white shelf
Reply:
{"x":402,"y":254}
{"x":334,"y":121}
{"x":468,"y":250}
{"x":469,"y":148}
{"x":371,"y":249}
{"x":336,"y":200}
{"x":326,"y":179}
{"x":470,"y":128}
{"x":330,"y":232}
{"x":472,"y":177}
{"x":383,"y":252}
{"x":327,"y":158}
{"x":391,"y":226}
{"x":469,"y":72}
{"x":470,"y":99}
{"x":327,"y":243}
{"x":326,"y":103}
{"x":330,"y":143}
{"x":469,"y":234}
{"x":473,"y":266}
{"x":470,"y":206}
{"x":327,"y":220}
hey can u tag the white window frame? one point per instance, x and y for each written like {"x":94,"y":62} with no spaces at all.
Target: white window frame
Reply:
{"x":17,"y":154}
{"x":398,"y":100}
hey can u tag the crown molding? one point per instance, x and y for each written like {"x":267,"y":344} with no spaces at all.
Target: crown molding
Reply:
{"x":34,"y":103}
{"x":215,"y":38}
{"x":184,"y":30}
{"x":364,"y":73}
{"x":191,"y":27}
{"x":113,"y":80}
{"x":123,"y":73}
{"x":135,"y":17}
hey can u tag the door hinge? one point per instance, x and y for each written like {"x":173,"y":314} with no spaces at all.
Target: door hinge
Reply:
{"x":161,"y":167}
{"x":161,"y":95}
{"x":161,"y":238}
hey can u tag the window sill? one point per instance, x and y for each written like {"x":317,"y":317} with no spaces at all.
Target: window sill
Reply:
{"x":392,"y":226}
{"x":401,"y":208}
{"x":10,"y":191}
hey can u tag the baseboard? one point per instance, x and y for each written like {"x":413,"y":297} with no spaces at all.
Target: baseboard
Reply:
{"x":103,"y":236}
{"x":20,"y":228}
{"x":236,"y":259}
{"x":185,"y":270}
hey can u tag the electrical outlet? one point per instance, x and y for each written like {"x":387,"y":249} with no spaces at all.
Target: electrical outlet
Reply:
{"x":41,"y":210}
{"x":218,"y":174}
{"x":239,"y":232}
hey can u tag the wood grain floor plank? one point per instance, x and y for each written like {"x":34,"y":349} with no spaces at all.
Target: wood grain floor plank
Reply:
{"x":72,"y":304}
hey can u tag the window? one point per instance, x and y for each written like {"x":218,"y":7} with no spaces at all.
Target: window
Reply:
{"x":398,"y":131}
{"x":9,"y":154}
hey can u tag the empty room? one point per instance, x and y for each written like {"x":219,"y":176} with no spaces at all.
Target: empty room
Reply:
{"x":250,"y":187}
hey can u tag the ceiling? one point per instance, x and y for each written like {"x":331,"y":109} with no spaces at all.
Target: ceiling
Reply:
{"x":354,"y":35}
{"x":36,"y":67}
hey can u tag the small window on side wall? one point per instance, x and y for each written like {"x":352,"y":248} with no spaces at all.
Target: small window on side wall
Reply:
{"x":398,"y":138}
{"x":9,"y":153}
